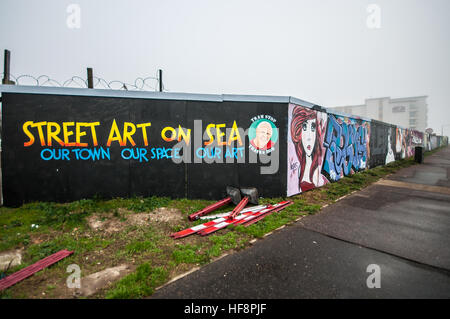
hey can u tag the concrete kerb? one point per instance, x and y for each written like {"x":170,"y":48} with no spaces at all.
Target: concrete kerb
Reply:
{"x":190,"y":272}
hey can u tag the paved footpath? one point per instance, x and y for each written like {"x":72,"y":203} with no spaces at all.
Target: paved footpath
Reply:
{"x":401,"y":224}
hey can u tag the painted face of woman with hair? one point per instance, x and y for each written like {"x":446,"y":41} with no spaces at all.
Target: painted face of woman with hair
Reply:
{"x":306,"y":136}
{"x":309,"y":136}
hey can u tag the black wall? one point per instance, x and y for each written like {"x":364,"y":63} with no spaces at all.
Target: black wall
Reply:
{"x":26,"y":177}
{"x":210,"y":180}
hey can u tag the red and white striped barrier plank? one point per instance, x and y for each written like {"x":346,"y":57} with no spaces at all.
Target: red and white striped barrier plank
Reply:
{"x":239,"y":207}
{"x":195,"y":229}
{"x":239,"y":219}
{"x":250,"y":209}
{"x":209,"y":209}
{"x":30,"y":270}
{"x":254,"y":220}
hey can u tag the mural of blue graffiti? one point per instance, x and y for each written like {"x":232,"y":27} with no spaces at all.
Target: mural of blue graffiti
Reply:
{"x":346,"y":148}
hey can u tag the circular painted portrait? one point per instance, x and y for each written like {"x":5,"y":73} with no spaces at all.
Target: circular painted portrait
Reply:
{"x":263,"y":134}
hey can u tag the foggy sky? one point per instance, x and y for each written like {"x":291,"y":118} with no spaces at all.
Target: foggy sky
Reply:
{"x":318,"y":50}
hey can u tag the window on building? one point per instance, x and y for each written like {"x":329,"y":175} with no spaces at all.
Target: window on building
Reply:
{"x":398,"y":109}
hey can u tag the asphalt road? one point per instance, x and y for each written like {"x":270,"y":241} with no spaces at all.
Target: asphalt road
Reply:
{"x":401,"y":224}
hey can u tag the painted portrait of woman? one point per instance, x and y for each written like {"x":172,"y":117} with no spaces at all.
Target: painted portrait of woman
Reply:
{"x":306,"y":134}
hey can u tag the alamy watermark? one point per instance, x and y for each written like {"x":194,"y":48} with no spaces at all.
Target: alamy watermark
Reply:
{"x":73,"y":20}
{"x":74,"y":280}
{"x":374,"y":279}
{"x":373,"y":20}
{"x":226,"y":145}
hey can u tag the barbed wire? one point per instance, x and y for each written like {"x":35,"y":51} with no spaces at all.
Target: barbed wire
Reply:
{"x":149,"y":83}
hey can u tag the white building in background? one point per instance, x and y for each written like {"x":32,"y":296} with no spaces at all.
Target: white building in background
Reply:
{"x":409,"y":112}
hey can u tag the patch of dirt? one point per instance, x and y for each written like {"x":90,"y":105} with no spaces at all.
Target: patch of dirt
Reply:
{"x":110,"y":225}
{"x":9,"y":259}
{"x":162,"y":215}
{"x":37,"y":239}
{"x":166,"y":215}
{"x":102,"y":279}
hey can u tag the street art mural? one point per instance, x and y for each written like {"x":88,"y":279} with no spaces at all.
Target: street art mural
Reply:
{"x":76,"y":146}
{"x":427,"y":141}
{"x":390,"y":157}
{"x":417,"y":139}
{"x":323,"y":147}
{"x":408,"y":139}
{"x":409,"y":144}
{"x":402,"y":142}
{"x":399,"y":141}
{"x":305,"y":150}
{"x":434,"y":141}
{"x":382,"y":143}
{"x":347,"y":146}
{"x":79,"y":141}
{"x":263,"y":134}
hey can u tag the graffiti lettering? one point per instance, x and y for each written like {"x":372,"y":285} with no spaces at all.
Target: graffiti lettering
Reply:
{"x":234,"y":135}
{"x":53,"y":130}
{"x":346,"y":148}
